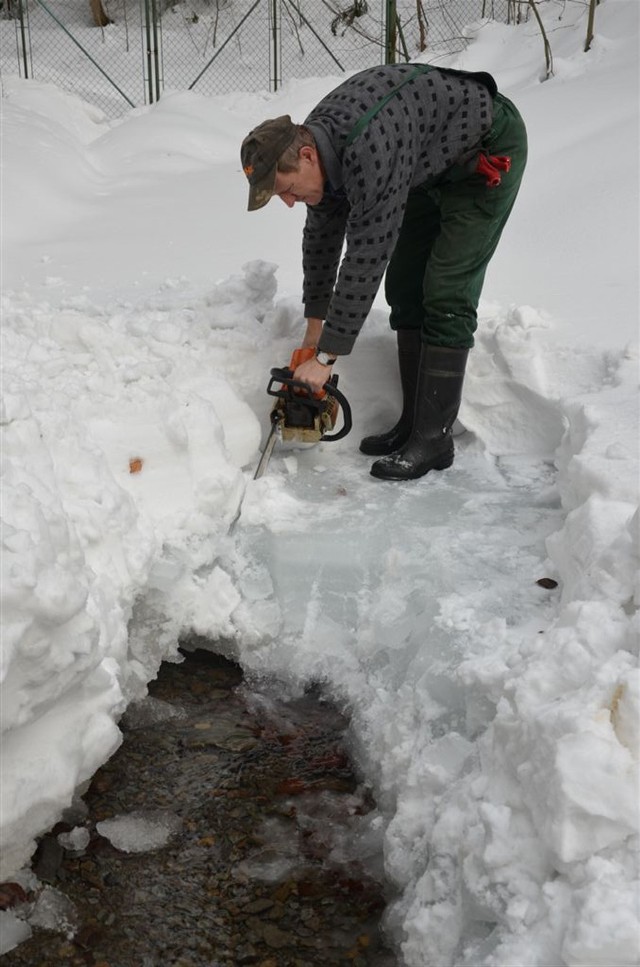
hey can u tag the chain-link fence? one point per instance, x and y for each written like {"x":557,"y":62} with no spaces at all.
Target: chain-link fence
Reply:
{"x":119,"y":53}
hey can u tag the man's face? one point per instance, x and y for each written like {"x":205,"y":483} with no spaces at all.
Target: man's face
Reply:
{"x":305,"y":184}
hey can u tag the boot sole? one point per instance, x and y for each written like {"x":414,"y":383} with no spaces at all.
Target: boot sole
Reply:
{"x":397,"y":472}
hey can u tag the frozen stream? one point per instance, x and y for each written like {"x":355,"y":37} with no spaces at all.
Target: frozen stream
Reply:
{"x":384,"y":593}
{"x":402,"y":575}
{"x":409,"y":602}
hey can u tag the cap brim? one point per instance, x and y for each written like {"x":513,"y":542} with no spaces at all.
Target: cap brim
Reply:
{"x":262,"y":191}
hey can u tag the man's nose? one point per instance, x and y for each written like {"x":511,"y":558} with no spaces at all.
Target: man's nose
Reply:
{"x":288,"y":199}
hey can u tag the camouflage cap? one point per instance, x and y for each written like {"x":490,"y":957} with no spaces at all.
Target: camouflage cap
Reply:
{"x":260,"y":152}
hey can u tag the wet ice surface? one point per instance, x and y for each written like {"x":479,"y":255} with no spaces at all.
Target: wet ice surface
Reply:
{"x":399,"y":573}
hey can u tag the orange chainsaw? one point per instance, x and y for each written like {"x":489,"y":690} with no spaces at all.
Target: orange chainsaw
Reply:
{"x":298,"y":414}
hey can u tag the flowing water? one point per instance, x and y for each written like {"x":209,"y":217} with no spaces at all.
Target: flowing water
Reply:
{"x":230,"y":828}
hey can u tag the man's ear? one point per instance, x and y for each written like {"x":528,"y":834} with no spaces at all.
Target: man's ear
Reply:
{"x":308,"y":153}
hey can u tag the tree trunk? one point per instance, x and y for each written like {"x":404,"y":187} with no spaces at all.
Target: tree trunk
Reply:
{"x":590,"y":25}
{"x":100,"y":18}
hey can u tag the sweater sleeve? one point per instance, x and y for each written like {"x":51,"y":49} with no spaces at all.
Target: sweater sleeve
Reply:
{"x":378,"y":189}
{"x":322,"y":242}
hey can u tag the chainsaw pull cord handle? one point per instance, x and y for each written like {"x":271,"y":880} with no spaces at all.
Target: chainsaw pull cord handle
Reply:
{"x":290,"y":385}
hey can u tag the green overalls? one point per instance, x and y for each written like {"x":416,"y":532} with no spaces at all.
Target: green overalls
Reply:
{"x":451,"y":227}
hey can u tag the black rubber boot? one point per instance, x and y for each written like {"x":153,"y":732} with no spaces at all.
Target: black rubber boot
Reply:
{"x":409,"y":346}
{"x":438,"y":395}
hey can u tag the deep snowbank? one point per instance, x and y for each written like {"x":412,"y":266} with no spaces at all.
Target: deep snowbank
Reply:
{"x":499,"y":725}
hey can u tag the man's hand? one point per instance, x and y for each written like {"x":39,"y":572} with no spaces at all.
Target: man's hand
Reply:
{"x":313,"y":373}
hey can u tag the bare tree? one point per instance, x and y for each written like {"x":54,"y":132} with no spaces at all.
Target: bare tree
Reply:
{"x":345,"y":18}
{"x":100,"y":18}
{"x":548,"y":56}
{"x":423,"y":25}
{"x":590,"y":24}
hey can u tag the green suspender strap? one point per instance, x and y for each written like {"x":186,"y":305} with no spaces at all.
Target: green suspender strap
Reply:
{"x":362,"y":122}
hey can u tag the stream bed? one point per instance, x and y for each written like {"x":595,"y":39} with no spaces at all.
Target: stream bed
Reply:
{"x":229,"y":828}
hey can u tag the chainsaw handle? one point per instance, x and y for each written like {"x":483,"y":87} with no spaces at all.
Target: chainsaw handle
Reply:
{"x":288,"y":385}
{"x":333,"y":391}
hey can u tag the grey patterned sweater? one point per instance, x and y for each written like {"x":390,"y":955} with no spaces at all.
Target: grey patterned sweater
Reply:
{"x":433,"y":122}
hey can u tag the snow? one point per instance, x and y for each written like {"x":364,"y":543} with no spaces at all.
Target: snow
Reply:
{"x":13,"y":931}
{"x":497,"y":720}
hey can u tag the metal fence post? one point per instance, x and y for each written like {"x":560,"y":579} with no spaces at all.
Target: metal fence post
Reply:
{"x":390,"y":32}
{"x":22,"y":41}
{"x":152,"y":53}
{"x":274,"y":18}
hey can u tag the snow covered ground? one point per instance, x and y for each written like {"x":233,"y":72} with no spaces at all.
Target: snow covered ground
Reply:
{"x":498,"y":720}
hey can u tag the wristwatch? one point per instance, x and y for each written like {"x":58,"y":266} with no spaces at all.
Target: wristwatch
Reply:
{"x":325,"y":359}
